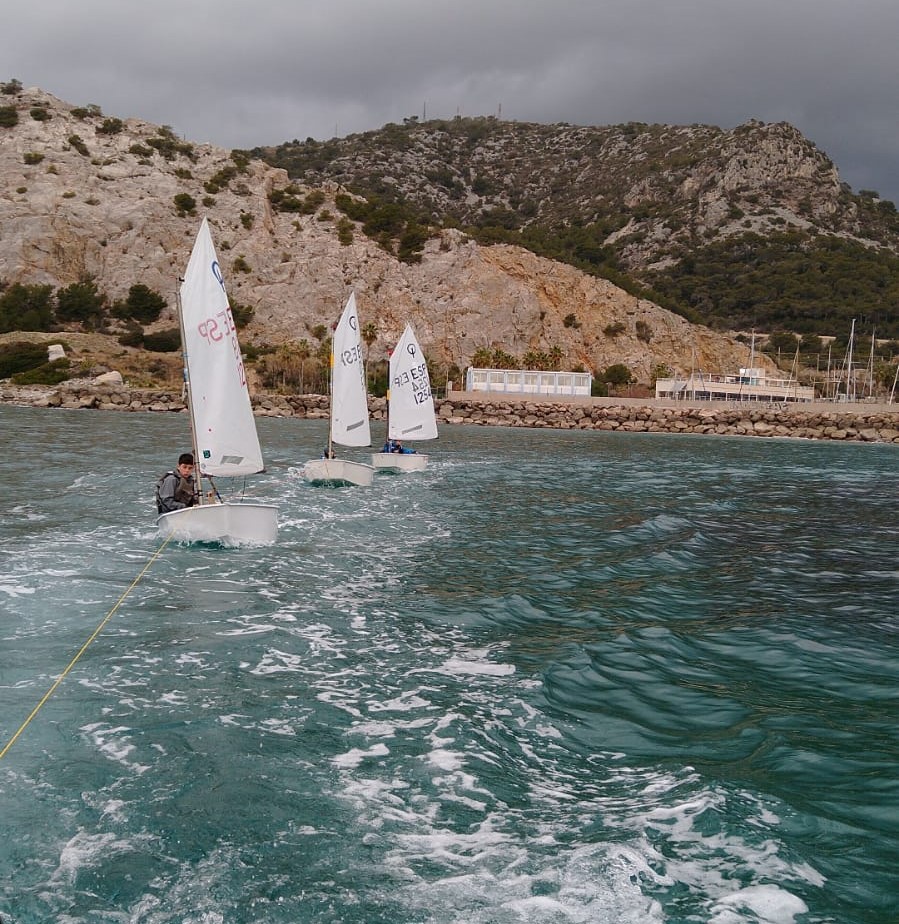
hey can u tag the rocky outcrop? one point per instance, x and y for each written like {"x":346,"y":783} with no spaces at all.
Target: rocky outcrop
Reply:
{"x":854,"y":423}
{"x":84,"y":195}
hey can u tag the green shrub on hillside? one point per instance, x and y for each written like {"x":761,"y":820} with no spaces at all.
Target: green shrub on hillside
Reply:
{"x":46,"y":374}
{"x":81,"y":302}
{"x":795,"y":281}
{"x":617,"y":374}
{"x":345,"y":231}
{"x":169,"y":146}
{"x":20,"y":357}
{"x":26,"y":307}
{"x":77,"y":142}
{"x":163,"y":341}
{"x":110,"y":127}
{"x":285,"y":200}
{"x":185,"y":204}
{"x":133,"y":337}
{"x":220,"y":180}
{"x":142,"y":304}
{"x":242,"y":314}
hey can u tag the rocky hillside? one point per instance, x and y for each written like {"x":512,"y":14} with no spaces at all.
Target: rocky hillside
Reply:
{"x":85,"y":195}
{"x":659,"y":186}
{"x":716,"y":224}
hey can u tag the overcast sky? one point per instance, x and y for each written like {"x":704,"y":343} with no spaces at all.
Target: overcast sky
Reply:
{"x":242,"y":73}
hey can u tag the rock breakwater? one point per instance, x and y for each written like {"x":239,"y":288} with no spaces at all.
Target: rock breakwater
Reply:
{"x":823,"y":422}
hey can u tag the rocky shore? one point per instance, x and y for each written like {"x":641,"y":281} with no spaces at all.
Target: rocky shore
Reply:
{"x":859,"y":422}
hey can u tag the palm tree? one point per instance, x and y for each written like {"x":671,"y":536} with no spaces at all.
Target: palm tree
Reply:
{"x":369,"y":335}
{"x":304,"y":351}
{"x":555,"y":357}
{"x":482,"y":358}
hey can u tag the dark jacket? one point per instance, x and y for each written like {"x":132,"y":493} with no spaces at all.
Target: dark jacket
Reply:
{"x":175,"y":493}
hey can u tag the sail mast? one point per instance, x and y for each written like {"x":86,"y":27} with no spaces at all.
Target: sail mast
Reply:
{"x":850,"y":383}
{"x":871,"y":367}
{"x":331,"y":389}
{"x":187,"y":396}
{"x":387,"y":406}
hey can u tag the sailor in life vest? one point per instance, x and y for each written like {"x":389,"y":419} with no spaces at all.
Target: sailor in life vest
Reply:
{"x":177,"y":489}
{"x":396,"y":446}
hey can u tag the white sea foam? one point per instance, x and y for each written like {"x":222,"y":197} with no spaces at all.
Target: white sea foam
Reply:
{"x":488,"y":884}
{"x":86,"y":850}
{"x":445,"y":760}
{"x":355,"y":756}
{"x":279,"y":727}
{"x":15,"y":590}
{"x":114,"y":744}
{"x":465,"y":666}
{"x":405,"y":702}
{"x":174,"y":698}
{"x":114,"y":810}
{"x":278,"y":662}
{"x":375,"y":729}
{"x":767,"y":904}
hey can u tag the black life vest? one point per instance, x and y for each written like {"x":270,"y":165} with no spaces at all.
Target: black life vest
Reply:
{"x":184,"y":491}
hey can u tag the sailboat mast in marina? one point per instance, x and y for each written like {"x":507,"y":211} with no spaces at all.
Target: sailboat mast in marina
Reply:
{"x":223,"y":428}
{"x":348,"y":420}
{"x":410,"y":408}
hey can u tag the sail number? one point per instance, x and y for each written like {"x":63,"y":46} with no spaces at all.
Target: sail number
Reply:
{"x":220,"y":327}
{"x":352,"y":356}
{"x":418,"y":377}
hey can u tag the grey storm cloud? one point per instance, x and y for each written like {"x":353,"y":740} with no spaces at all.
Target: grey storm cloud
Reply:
{"x":245,"y":74}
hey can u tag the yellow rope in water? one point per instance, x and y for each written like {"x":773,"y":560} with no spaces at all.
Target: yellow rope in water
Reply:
{"x":84,"y":648}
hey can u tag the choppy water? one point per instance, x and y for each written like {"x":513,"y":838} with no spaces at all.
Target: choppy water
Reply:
{"x":559,"y":677}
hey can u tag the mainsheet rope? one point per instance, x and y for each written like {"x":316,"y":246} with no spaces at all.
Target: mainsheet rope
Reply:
{"x":84,"y":647}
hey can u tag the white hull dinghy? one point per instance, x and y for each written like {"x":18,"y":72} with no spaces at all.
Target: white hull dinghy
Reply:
{"x":410,"y":408}
{"x":348,"y":420}
{"x":223,"y":427}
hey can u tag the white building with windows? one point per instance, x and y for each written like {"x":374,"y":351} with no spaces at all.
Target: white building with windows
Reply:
{"x":751,"y":384}
{"x":529,"y":382}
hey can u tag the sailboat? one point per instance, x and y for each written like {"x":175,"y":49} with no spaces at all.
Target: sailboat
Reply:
{"x":349,"y":424}
{"x":410,"y":407}
{"x":223,"y":429}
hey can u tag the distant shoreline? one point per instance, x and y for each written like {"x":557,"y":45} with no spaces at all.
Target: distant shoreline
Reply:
{"x":855,"y":423}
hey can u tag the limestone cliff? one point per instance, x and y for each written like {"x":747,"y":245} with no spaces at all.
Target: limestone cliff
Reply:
{"x":85,"y":195}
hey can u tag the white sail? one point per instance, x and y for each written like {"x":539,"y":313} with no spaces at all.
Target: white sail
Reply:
{"x":349,"y":404}
{"x":411,"y":410}
{"x":224,"y":425}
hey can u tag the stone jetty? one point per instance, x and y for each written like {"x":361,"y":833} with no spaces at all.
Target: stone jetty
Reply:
{"x":822,"y":421}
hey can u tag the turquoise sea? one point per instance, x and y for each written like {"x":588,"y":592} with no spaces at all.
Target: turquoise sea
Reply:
{"x":558,"y":677}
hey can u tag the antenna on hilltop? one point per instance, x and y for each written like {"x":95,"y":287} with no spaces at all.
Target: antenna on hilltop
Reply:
{"x":499,"y":111}
{"x":424,"y":111}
